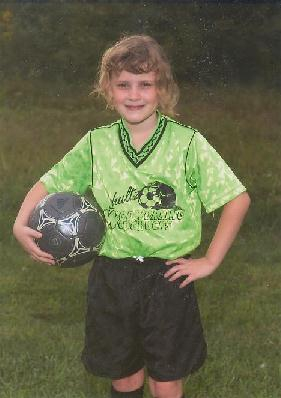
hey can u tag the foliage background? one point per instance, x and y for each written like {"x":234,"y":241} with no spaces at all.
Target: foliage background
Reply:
{"x":212,"y":42}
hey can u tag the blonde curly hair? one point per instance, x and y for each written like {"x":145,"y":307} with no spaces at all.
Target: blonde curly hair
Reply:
{"x":139,"y":54}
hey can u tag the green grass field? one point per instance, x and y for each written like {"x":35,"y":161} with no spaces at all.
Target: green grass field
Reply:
{"x":42,"y":308}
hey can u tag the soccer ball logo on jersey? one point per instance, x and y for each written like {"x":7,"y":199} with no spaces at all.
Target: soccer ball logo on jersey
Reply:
{"x":157,"y":196}
{"x":155,"y":208}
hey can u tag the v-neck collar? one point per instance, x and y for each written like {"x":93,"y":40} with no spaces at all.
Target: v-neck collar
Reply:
{"x":138,"y":157}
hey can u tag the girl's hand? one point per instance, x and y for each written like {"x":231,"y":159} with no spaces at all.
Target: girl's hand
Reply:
{"x":193,"y":269}
{"x":26,"y":236}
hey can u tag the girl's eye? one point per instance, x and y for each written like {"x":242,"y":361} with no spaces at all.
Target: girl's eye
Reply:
{"x":126,"y":85}
{"x":146,"y":84}
{"x":122,"y":85}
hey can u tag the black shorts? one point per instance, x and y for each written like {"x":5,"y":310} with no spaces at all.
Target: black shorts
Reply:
{"x":138,"y":318}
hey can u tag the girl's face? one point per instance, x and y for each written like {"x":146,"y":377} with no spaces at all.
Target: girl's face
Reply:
{"x":135,"y":96}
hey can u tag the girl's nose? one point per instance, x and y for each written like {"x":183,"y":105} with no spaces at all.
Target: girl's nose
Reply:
{"x":134,"y":93}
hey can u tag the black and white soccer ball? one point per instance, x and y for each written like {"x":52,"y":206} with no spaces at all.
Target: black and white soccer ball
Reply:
{"x":157,"y":195}
{"x":72,"y":228}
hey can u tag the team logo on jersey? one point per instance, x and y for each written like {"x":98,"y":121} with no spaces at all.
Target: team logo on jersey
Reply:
{"x":157,"y":196}
{"x":157,"y":208}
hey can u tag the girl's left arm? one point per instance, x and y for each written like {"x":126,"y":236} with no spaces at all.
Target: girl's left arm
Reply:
{"x":229,"y":224}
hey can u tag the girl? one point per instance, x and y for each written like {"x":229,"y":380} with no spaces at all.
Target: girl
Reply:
{"x":150,"y":174}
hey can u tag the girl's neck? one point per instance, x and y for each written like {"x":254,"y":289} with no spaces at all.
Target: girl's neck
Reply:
{"x":144,"y":127}
{"x":141,"y":132}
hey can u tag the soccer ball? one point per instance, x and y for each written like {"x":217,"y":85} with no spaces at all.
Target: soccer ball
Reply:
{"x":72,"y":228}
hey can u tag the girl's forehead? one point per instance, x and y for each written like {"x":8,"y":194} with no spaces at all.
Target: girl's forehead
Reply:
{"x":129,"y":76}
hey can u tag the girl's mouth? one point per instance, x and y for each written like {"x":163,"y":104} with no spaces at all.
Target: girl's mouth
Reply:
{"x":134,"y":107}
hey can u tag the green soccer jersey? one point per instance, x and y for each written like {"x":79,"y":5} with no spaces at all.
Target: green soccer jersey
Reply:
{"x":151,"y":198}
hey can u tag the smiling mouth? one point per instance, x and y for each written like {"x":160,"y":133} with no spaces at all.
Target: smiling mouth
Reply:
{"x":134,"y":107}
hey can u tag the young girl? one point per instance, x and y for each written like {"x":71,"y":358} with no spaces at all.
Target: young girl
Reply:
{"x":150,"y":174}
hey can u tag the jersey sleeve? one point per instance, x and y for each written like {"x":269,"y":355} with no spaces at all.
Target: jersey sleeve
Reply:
{"x":73,"y":173}
{"x":207,"y":172}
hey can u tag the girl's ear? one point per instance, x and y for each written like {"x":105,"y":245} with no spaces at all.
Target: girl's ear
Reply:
{"x":159,"y":95}
{"x":109,"y":96}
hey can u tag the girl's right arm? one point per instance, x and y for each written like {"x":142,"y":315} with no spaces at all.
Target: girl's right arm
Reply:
{"x":26,"y":235}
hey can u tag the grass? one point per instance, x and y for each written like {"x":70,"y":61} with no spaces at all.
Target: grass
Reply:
{"x":42,"y":308}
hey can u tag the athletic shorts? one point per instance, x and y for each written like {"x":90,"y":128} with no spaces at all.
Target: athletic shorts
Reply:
{"x":137,"y":318}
